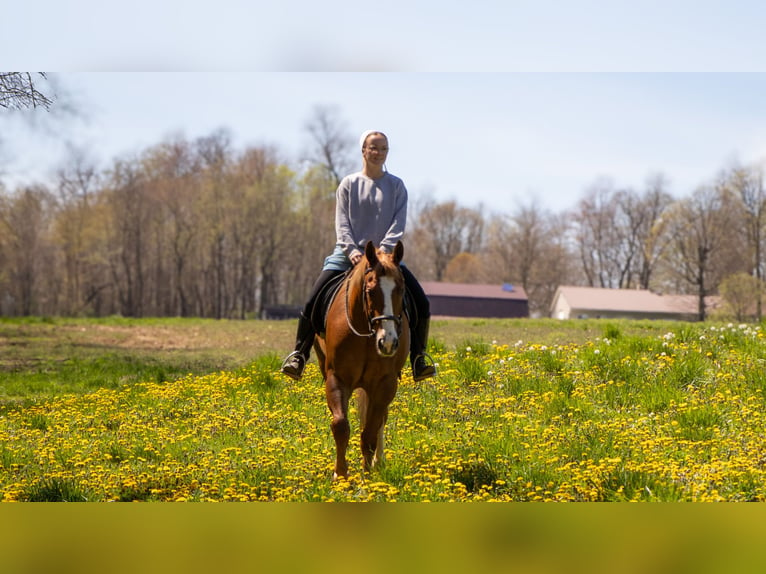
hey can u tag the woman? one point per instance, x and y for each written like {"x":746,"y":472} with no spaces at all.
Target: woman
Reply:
{"x":371,"y":205}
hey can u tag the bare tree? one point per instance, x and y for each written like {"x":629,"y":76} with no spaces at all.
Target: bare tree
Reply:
{"x":464,"y":268}
{"x":313,"y":235}
{"x":651,"y":228}
{"x":529,"y":247}
{"x":700,"y":227}
{"x":128,"y":241}
{"x":598,"y":236}
{"x":26,"y":218}
{"x":264,"y":232}
{"x":738,"y":292}
{"x":528,"y":240}
{"x":444,"y":230}
{"x":746,"y":183}
{"x":18,"y":91}
{"x":36,"y":104}
{"x":331,"y":144}
{"x":78,"y":182}
{"x":620,"y":233}
{"x":174,"y":173}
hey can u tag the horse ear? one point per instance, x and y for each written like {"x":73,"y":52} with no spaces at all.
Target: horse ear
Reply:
{"x":369,"y":253}
{"x":398,"y":252}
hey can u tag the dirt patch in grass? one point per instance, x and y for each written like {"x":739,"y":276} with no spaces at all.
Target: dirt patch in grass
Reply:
{"x":143,"y":337}
{"x":40,"y":358}
{"x":239,"y":338}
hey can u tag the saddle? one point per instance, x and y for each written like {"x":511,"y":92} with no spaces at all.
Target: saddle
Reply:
{"x":330,"y":290}
{"x":323,"y":301}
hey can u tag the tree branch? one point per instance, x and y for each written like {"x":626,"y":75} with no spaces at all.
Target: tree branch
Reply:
{"x":18,"y":91}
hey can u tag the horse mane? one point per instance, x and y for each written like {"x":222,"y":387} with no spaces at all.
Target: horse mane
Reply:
{"x":389,"y":267}
{"x":385,"y":260}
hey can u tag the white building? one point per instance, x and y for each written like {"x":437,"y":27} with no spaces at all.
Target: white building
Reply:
{"x":594,"y":302}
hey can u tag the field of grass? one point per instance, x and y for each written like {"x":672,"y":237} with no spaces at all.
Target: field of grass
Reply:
{"x":522,"y":410}
{"x":44,"y":357}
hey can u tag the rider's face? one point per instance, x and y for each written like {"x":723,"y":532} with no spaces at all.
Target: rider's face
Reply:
{"x":375,"y":150}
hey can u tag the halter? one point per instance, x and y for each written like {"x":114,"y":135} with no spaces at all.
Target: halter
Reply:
{"x":397,"y":319}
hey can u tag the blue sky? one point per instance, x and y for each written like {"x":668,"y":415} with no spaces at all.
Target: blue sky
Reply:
{"x":494,"y":139}
{"x":490,"y":102}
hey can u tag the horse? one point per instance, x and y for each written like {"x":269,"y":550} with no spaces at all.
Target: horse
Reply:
{"x":363,"y":350}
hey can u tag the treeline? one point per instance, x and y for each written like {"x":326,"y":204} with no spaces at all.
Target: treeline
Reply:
{"x":710,"y":242}
{"x":199,"y":228}
{"x":188,"y":228}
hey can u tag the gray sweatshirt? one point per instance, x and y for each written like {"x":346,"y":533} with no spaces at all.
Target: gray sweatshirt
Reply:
{"x":368,"y":210}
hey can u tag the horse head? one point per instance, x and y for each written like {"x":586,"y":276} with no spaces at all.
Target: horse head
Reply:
{"x":384,"y":296}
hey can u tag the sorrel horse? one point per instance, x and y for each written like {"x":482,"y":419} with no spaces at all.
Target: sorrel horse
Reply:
{"x":364,"y":348}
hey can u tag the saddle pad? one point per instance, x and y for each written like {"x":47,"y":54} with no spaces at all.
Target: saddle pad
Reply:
{"x":323,"y":302}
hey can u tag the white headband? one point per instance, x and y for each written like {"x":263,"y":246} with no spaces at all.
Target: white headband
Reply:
{"x":367,"y":134}
{"x":364,"y":137}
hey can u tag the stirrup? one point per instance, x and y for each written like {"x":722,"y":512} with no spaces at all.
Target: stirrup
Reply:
{"x":428,"y":367}
{"x":293,"y":365}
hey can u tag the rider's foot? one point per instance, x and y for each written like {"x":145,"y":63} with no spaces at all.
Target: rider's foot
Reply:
{"x":294,"y":365}
{"x":422,"y":369}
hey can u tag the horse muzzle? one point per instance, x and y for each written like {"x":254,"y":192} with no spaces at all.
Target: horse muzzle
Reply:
{"x":387,"y":329}
{"x":387,"y":346}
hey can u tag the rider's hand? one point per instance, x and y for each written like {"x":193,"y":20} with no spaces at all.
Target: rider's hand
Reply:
{"x":355,"y":257}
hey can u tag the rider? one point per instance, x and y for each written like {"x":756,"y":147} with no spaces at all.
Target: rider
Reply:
{"x":371,"y":205}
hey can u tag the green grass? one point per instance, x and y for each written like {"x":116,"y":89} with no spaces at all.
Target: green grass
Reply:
{"x":522,"y":410}
{"x":56,"y":490}
{"x":46,"y":357}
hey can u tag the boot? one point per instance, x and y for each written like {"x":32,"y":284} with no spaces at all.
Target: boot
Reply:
{"x":296,"y":361}
{"x":422,"y":364}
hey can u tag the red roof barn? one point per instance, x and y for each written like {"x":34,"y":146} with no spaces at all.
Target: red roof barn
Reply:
{"x":474,"y":300}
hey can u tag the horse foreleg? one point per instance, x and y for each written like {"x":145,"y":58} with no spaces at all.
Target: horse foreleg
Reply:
{"x":380,"y":456}
{"x":373,"y":436}
{"x":337,"y":401}
{"x":361,"y":406}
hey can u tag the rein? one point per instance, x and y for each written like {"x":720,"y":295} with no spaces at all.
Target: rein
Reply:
{"x":370,"y":320}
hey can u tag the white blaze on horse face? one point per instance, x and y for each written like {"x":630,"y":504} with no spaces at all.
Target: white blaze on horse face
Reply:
{"x":387,"y":337}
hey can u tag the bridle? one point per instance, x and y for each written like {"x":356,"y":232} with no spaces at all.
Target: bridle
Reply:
{"x":371,"y":321}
